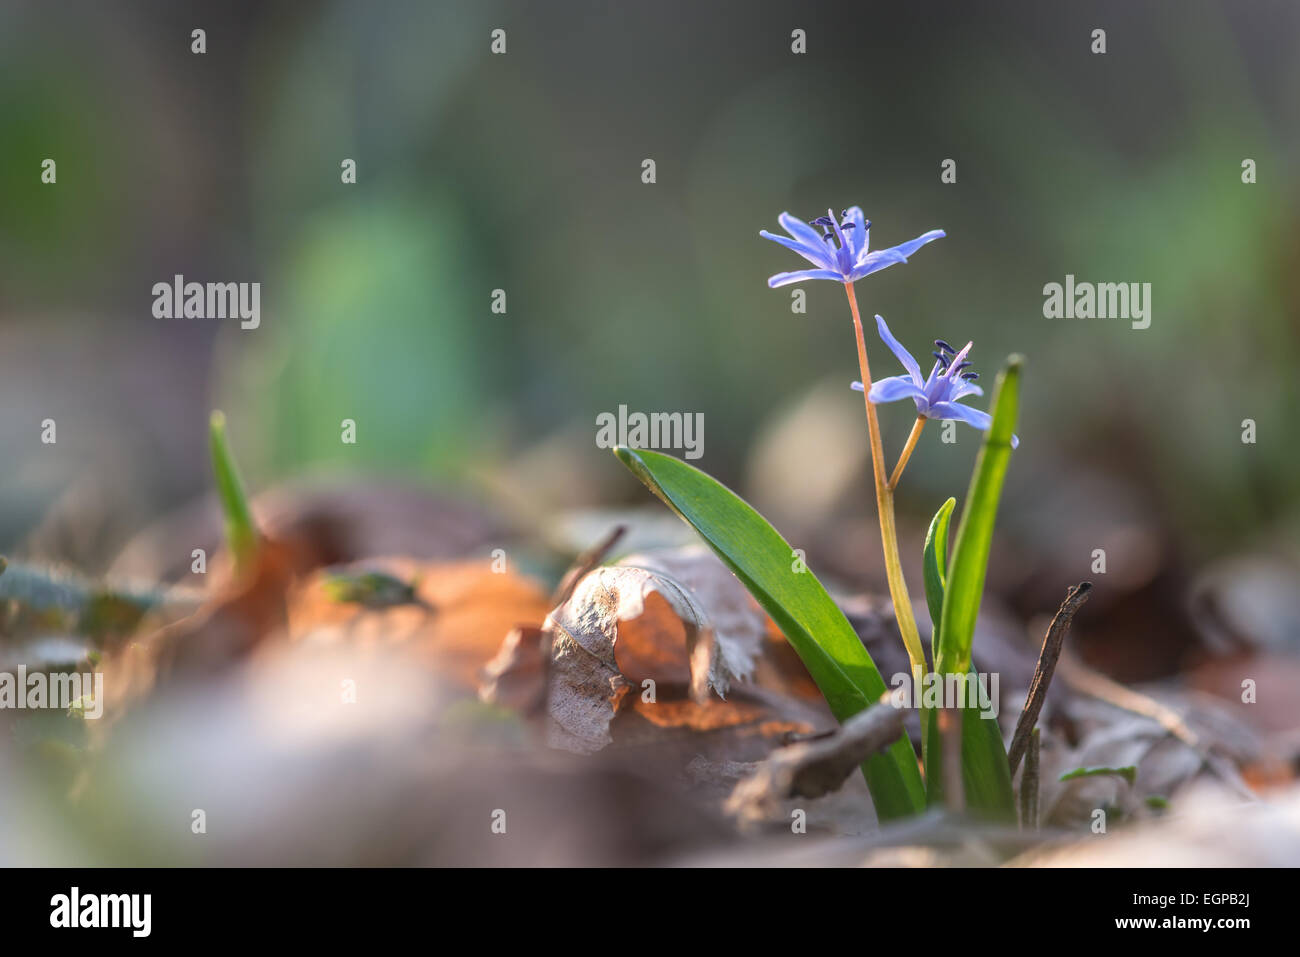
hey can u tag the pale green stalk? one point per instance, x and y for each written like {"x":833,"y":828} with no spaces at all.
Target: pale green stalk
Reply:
{"x":885,"y":508}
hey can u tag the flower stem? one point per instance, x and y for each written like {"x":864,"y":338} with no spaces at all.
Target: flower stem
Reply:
{"x":885,"y":506}
{"x":907,"y":452}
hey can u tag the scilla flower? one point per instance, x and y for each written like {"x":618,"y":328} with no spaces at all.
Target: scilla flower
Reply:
{"x":839,"y":251}
{"x":936,"y":397}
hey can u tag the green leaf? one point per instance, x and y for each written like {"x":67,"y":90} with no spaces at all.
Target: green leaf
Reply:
{"x":1128,"y":773}
{"x":797,"y":602}
{"x":970,"y":554}
{"x":986,"y":777}
{"x":936,"y":564}
{"x":241,"y":533}
{"x":935,"y":568}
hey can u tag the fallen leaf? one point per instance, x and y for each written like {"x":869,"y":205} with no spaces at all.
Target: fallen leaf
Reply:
{"x":516,"y":676}
{"x":815,"y":768}
{"x":451,"y":616}
{"x":1108,"y":736}
{"x":678,"y":619}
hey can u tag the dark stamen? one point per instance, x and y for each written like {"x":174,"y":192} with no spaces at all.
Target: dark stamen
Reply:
{"x":971,"y":376}
{"x":943,"y":359}
{"x":944,"y":346}
{"x":823,"y":221}
{"x":964,"y":365}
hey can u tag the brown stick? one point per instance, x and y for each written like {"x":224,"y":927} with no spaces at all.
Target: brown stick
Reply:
{"x":814,"y":768}
{"x":1044,"y":670}
{"x":584,"y":563}
{"x":1029,"y":786}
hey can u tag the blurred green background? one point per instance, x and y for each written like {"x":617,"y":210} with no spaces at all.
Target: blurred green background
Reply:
{"x":522,"y":172}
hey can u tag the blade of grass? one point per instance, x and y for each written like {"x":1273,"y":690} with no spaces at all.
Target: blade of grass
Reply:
{"x":797,"y":602}
{"x":986,"y":776}
{"x":935,"y":562}
{"x":935,"y":569}
{"x":1128,"y":773}
{"x":241,"y":533}
{"x":970,"y":554}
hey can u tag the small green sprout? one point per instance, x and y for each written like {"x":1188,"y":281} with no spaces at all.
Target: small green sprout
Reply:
{"x":241,"y":533}
{"x":1128,"y":773}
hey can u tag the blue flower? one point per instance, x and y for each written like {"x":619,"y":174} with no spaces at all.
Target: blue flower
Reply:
{"x":935,"y":397}
{"x":840,"y":251}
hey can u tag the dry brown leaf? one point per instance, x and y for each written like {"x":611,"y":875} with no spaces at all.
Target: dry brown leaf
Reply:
{"x":516,"y":677}
{"x":1205,"y":828}
{"x":1110,"y":736}
{"x":461,"y":613}
{"x":678,"y":619}
{"x":242,"y":613}
{"x":737,"y":620}
{"x":710,"y":715}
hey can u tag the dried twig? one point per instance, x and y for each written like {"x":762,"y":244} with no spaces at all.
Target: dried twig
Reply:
{"x":814,"y":768}
{"x":1029,"y":786}
{"x":1043,"y":671}
{"x":584,"y":563}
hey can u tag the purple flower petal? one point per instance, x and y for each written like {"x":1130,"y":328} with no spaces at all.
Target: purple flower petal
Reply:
{"x":815,"y":255}
{"x":857,"y":236}
{"x":786,"y":278}
{"x":848,"y":261}
{"x":897,"y":349}
{"x":801,"y":231}
{"x":842,"y":256}
{"x":964,"y":413}
{"x":874,"y":262}
{"x":912,"y":245}
{"x":964,"y":388}
{"x":894,"y":388}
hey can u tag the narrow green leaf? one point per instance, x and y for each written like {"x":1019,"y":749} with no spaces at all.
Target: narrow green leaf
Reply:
{"x":1128,"y":773}
{"x":241,"y":533}
{"x":816,"y":628}
{"x":986,"y":777}
{"x":936,"y":565}
{"x":970,"y":555}
{"x":935,"y":569}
